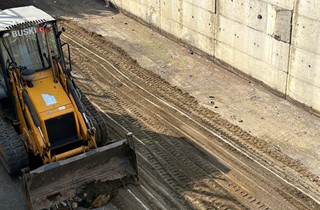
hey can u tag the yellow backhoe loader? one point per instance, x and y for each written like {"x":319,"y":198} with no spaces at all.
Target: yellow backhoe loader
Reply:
{"x":49,"y":131}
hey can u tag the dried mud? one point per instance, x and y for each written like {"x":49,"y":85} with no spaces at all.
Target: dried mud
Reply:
{"x":177,"y":136}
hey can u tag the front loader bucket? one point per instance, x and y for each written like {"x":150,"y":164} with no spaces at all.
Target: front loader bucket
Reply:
{"x":56,"y":182}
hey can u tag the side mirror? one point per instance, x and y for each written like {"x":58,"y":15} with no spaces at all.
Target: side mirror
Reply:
{"x":60,"y":32}
{"x":69,"y":56}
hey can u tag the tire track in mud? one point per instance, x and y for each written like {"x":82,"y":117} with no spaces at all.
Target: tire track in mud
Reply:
{"x":208,"y":117}
{"x":191,"y":165}
{"x":188,"y":104}
{"x":146,"y":158}
{"x":251,"y":199}
{"x":158,"y":157}
{"x":195,"y":171}
{"x":164,"y":156}
{"x":172,"y":95}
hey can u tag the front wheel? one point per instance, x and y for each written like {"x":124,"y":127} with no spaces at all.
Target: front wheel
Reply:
{"x":97,"y":120}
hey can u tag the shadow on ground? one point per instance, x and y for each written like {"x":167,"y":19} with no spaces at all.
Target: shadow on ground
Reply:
{"x":174,"y":163}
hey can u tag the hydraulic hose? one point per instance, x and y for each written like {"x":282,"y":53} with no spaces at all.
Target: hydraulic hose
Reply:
{"x":75,"y":96}
{"x":73,"y":91}
{"x":33,"y":114}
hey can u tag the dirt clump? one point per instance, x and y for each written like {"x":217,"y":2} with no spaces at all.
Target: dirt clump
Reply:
{"x":92,"y":195}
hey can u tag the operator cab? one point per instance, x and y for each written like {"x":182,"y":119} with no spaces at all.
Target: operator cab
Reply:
{"x":28,"y":47}
{"x":28,"y":40}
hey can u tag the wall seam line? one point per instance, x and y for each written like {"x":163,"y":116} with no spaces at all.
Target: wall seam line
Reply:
{"x":293,"y":17}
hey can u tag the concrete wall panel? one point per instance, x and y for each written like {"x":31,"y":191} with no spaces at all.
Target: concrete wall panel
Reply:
{"x":208,"y":5}
{"x":251,"y":13}
{"x":252,"y":66}
{"x":171,"y":9}
{"x":307,"y":34}
{"x":147,"y":10}
{"x":285,"y":4}
{"x":198,"y":19}
{"x":304,"y":71}
{"x":171,"y":26}
{"x":194,"y":38}
{"x":309,"y":8}
{"x":304,"y":92}
{"x":254,"y":43}
{"x":306,"y":67}
{"x":275,"y":41}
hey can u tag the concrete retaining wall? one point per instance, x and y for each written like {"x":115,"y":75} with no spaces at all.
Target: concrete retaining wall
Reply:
{"x":274,"y":41}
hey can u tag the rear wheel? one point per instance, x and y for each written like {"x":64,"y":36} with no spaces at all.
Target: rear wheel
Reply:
{"x":97,"y":120}
{"x":13,"y":154}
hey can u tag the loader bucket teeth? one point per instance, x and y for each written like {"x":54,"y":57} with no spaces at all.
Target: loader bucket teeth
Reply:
{"x":55,"y":182}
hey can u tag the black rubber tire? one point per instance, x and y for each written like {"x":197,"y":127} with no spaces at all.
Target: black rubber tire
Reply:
{"x":97,"y":120}
{"x":13,"y":154}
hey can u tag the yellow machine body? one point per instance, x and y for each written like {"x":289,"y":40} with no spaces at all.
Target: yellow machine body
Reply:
{"x":50,"y":100}
{"x":49,"y":120}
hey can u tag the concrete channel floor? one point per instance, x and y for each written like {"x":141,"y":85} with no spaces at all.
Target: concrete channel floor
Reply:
{"x":288,"y":128}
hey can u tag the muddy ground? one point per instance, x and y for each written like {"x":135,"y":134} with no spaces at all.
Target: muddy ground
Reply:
{"x":200,"y":159}
{"x":189,"y":157}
